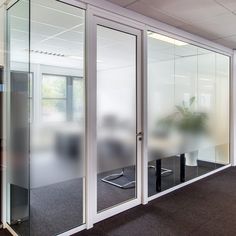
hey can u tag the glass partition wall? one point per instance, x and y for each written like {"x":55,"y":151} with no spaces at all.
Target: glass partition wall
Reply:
{"x":46,"y":130}
{"x":18,"y":187}
{"x":188,"y":112}
{"x":187,"y":117}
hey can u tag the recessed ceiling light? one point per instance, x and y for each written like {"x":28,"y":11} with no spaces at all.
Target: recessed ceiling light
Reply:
{"x":46,"y":53}
{"x":58,"y":55}
{"x":166,"y":39}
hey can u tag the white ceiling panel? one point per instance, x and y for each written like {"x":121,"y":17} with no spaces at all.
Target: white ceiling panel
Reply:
{"x":211,"y":19}
{"x":187,"y":10}
{"x":213,"y":29}
{"x":122,"y":3}
{"x":229,"y":4}
{"x":222,"y":26}
{"x":149,"y":10}
{"x":229,"y":41}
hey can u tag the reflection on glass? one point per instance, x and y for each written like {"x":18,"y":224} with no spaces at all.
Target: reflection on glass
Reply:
{"x":116,"y":117}
{"x":44,"y":104}
{"x":187,"y":87}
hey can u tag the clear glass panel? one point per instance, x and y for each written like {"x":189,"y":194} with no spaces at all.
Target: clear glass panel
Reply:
{"x":187,"y":87}
{"x":57,"y":142}
{"x":116,"y":117}
{"x":18,"y":117}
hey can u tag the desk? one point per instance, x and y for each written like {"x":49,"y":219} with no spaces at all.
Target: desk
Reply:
{"x":158,"y":172}
{"x":164,"y":148}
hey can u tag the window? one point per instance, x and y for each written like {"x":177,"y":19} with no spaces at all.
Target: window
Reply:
{"x":62,"y":98}
{"x":54,"y":98}
{"x":78,"y":99}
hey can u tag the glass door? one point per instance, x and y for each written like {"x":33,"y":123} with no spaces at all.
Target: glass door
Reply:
{"x":119,"y":135}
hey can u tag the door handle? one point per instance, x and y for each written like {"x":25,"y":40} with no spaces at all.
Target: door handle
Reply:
{"x":140,"y":136}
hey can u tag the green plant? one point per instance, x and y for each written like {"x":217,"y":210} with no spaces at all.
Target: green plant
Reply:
{"x":185,"y":119}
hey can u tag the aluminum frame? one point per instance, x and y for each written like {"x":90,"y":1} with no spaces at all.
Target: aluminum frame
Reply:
{"x":111,"y":12}
{"x":102,"y":21}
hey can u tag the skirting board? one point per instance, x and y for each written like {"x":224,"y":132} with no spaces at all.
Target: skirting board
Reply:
{"x":73,"y":231}
{"x":8,"y":227}
{"x":67,"y":233}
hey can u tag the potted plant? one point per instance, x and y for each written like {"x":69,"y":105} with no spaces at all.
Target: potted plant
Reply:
{"x":190,"y":124}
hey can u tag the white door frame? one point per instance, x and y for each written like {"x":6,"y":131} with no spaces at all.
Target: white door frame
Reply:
{"x":92,"y":96}
{"x":131,"y":20}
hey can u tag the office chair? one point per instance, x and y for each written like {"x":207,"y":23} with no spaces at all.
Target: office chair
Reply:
{"x":164,"y":171}
{"x":114,"y":149}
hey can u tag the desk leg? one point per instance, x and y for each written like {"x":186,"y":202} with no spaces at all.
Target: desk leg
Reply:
{"x":182,"y":168}
{"x":158,"y":176}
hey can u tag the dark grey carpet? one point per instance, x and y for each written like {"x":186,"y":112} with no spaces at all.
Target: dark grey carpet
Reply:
{"x":57,"y":208}
{"x":207,"y":207}
{"x":4,"y":232}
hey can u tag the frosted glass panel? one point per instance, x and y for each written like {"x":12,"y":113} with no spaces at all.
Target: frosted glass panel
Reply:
{"x":46,"y":99}
{"x":188,"y":96}
{"x":57,"y":138}
{"x":116,"y":117}
{"x":18,"y":118}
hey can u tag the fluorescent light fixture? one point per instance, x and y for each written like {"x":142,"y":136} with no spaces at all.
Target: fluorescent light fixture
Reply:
{"x":166,"y":39}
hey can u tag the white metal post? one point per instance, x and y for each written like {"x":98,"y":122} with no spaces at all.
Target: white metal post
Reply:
{"x":4,"y":107}
{"x":233,"y":109}
{"x":90,"y":75}
{"x":144,"y":119}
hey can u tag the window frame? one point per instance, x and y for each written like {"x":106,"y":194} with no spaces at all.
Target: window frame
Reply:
{"x":69,"y":103}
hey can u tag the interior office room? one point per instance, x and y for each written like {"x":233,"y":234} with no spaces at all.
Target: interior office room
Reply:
{"x":117,"y":117}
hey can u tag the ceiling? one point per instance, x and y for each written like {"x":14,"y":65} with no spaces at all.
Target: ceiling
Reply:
{"x":53,"y":41}
{"x":60,"y":43}
{"x":211,"y":19}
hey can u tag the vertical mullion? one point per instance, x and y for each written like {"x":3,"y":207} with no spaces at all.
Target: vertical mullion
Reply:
{"x":91,"y":154}
{"x":69,"y":98}
{"x":144,"y":118}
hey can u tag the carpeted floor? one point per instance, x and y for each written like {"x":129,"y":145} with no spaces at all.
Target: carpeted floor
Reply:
{"x":207,"y":207}
{"x":58,"y":207}
{"x":4,"y":232}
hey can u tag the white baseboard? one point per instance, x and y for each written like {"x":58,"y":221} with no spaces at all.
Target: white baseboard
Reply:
{"x":8,"y":227}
